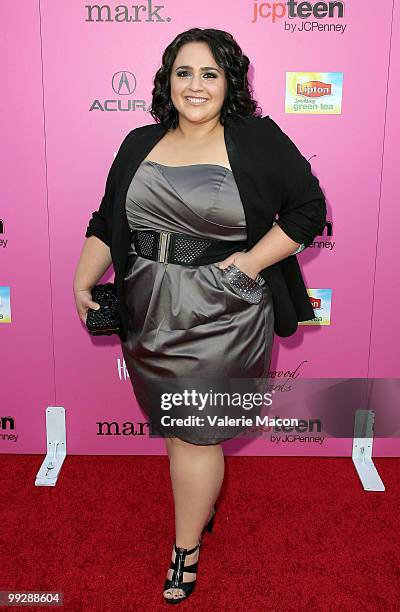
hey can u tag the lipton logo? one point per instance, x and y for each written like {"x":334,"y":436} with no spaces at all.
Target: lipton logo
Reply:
{"x":315,"y":302}
{"x":314,"y":89}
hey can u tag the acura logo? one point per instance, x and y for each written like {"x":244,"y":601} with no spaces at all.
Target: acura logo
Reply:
{"x":123,"y":83}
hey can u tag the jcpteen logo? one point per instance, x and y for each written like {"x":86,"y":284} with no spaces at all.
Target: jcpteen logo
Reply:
{"x":313,"y":16}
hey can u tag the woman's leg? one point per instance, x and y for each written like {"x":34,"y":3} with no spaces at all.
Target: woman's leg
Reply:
{"x":197,"y":473}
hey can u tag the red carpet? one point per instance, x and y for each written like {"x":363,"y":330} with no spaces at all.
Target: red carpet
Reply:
{"x":291,"y":534}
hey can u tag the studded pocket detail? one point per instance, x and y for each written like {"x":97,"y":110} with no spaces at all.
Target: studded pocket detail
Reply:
{"x":249,"y":289}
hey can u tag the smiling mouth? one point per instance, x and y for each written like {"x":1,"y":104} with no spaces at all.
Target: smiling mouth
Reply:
{"x":196,"y":101}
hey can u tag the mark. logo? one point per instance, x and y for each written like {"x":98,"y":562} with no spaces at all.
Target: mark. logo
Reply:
{"x":134,"y":13}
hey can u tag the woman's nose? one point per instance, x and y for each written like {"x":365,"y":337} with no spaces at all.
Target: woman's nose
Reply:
{"x":196,"y":83}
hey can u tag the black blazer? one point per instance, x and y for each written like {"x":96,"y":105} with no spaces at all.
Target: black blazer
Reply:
{"x":272,"y":177}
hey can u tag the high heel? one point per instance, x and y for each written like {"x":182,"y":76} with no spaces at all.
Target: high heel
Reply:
{"x":178,"y":567}
{"x":209,"y":525}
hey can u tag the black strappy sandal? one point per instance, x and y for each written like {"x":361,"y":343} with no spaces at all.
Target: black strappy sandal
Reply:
{"x":179,"y":568}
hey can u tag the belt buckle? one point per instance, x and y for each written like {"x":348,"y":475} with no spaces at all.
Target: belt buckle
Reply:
{"x":163,"y":246}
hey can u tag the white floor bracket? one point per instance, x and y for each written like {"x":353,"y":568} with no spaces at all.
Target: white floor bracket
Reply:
{"x":362,"y":450}
{"x":56,"y":447}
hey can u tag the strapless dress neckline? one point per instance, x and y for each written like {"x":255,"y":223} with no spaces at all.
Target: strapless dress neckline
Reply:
{"x":150,"y":161}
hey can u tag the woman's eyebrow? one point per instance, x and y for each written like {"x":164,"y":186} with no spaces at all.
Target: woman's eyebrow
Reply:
{"x":202,"y":68}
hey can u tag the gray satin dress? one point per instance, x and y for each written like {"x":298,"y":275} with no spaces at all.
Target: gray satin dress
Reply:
{"x":187,"y":321}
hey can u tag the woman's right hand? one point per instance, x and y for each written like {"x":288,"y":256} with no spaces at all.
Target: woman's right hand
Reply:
{"x":83,"y":300}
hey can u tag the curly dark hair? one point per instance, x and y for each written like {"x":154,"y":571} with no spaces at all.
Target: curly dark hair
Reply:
{"x":228,"y":55}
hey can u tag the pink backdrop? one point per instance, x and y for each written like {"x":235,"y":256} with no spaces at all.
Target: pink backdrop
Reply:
{"x":59,"y":138}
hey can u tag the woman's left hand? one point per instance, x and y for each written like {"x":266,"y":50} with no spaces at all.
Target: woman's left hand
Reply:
{"x":243,"y":261}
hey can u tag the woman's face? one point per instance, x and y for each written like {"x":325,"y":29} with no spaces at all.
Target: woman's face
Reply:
{"x":195,"y":74}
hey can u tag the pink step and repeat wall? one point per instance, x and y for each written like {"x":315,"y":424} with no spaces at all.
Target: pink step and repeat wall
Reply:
{"x":326,"y":74}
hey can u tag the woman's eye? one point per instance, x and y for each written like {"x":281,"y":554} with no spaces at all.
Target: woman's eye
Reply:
{"x":182,"y":72}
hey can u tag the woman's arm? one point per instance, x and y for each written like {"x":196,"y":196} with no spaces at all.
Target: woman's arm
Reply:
{"x":100,"y":224}
{"x":302,"y":214}
{"x":271,"y":248}
{"x":95,"y":257}
{"x":94,"y":260}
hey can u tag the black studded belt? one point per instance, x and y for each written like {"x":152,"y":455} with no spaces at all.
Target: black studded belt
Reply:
{"x":183,"y":249}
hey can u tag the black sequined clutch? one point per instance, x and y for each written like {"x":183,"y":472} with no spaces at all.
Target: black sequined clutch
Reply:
{"x":106,"y":320}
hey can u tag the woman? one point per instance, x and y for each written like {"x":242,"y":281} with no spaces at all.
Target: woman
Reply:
{"x":197,"y":298}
